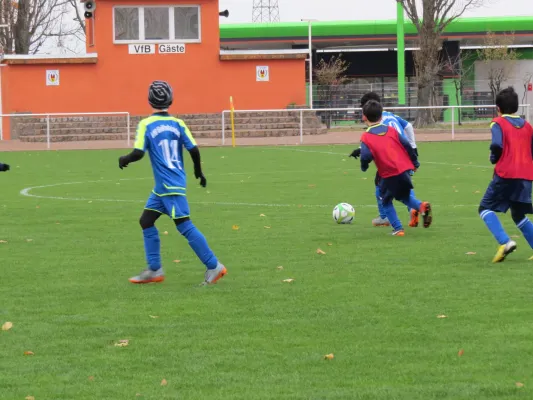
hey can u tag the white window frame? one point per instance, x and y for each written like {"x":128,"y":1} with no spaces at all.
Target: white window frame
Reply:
{"x":171,"y":26}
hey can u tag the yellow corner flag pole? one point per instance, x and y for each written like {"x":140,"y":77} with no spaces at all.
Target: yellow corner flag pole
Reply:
{"x":232,"y":112}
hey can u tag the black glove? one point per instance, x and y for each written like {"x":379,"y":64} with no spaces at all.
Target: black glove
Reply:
{"x":123,"y":162}
{"x":4,"y":167}
{"x":200,"y":175}
{"x":356,"y":153}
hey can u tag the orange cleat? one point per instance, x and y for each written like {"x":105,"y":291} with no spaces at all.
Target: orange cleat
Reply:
{"x":400,"y":232}
{"x":426,"y":213}
{"x":413,"y":223}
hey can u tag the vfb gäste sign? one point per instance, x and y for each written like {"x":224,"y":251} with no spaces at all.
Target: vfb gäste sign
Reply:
{"x":165,"y":48}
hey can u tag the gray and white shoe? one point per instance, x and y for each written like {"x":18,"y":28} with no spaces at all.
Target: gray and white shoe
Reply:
{"x":381,"y":221}
{"x":213,"y":275}
{"x":149,"y":276}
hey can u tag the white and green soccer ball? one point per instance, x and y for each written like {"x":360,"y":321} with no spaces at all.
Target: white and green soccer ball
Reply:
{"x":343,"y":213}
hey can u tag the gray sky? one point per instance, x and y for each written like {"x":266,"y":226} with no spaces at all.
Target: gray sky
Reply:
{"x":332,"y":10}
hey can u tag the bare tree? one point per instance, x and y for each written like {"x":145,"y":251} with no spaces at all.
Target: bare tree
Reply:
{"x":500,"y":59}
{"x":430,"y":23}
{"x":330,"y":76}
{"x":33,"y":23}
{"x":460,"y":67}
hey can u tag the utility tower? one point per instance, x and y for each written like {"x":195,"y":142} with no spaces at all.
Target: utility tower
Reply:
{"x":265,"y":11}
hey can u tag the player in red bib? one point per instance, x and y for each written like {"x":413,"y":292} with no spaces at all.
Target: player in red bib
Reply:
{"x":394,"y":158}
{"x":511,"y":150}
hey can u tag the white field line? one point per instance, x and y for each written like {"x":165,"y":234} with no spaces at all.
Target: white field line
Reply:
{"x":27,"y":193}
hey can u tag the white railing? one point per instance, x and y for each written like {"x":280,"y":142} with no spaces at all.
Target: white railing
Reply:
{"x":301,"y":111}
{"x":81,"y":114}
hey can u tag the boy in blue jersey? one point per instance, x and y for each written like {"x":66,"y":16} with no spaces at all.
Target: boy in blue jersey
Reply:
{"x":4,"y":167}
{"x":511,"y":151}
{"x":164,"y":137}
{"x":405,"y":129}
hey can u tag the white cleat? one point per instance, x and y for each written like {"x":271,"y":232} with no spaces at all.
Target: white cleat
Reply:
{"x":213,"y":275}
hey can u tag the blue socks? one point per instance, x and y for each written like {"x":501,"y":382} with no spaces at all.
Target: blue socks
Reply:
{"x":526,"y":227}
{"x":152,"y":248}
{"x":381,"y":210}
{"x":390,"y":212}
{"x":198,"y":244}
{"x":412,"y":202}
{"x":495,"y":226}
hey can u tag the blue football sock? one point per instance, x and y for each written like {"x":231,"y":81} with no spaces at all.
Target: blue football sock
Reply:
{"x":495,"y":226}
{"x":412,"y":202}
{"x":526,"y":227}
{"x":412,"y":195}
{"x":152,"y":248}
{"x":198,"y":244}
{"x":381,"y":210}
{"x":390,"y":211}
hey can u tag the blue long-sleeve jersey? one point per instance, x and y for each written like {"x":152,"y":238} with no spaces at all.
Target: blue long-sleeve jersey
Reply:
{"x":496,"y":145}
{"x":380,"y":129}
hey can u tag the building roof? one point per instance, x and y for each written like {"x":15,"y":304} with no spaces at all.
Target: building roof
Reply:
{"x":470,"y":31}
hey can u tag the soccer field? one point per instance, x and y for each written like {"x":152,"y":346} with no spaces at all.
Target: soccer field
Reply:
{"x":71,"y":239}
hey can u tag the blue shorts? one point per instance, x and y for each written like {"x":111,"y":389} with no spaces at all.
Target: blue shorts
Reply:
{"x":174,"y":206}
{"x":395,"y":187}
{"x":503,"y":194}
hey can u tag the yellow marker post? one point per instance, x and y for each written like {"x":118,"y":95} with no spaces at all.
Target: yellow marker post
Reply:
{"x":232,"y":117}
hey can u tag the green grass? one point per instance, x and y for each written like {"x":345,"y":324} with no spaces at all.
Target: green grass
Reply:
{"x":372,"y":300}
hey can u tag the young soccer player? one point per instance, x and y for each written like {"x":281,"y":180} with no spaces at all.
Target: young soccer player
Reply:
{"x":4,"y":167}
{"x":511,"y":150}
{"x":164,"y":137}
{"x":404,"y":128}
{"x":394,"y":158}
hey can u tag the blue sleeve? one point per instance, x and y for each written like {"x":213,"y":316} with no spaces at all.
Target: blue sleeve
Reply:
{"x":366,"y":157}
{"x":496,"y":145}
{"x":407,"y":146}
{"x":402,"y":121}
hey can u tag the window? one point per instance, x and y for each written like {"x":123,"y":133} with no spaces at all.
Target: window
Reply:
{"x":157,"y":24}
{"x":127,"y":23}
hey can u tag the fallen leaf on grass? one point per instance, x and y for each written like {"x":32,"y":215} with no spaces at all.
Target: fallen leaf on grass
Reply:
{"x":138,"y":394}
{"x":154,"y":316}
{"x":519,"y":384}
{"x":329,"y":356}
{"x":7,"y":326}
{"x":58,"y":223}
{"x":442,"y":316}
{"x":320,"y":251}
{"x":364,"y":179}
{"x":122,"y":343}
{"x":471,"y":253}
{"x":267,"y":227}
{"x":312,"y":185}
{"x":345,"y":173}
{"x":37,"y":207}
{"x":29,"y":240}
{"x":91,"y":378}
{"x":262,"y":215}
{"x":460,"y":352}
{"x":165,"y":233}
{"x":29,"y":353}
{"x":177,"y":261}
{"x":288,"y":280}
{"x":29,"y":398}
{"x":235,"y":227}
{"x":280,"y":267}
{"x":477,"y":191}
{"x":3,"y":241}
{"x":164,"y":382}
{"x":300,"y":206}
{"x":330,"y":244}
{"x":458,"y":168}
{"x":515,"y":236}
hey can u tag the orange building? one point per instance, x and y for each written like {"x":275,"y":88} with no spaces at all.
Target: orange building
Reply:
{"x":130,"y":44}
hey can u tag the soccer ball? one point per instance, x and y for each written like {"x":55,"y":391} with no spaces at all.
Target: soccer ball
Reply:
{"x":343,"y":213}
